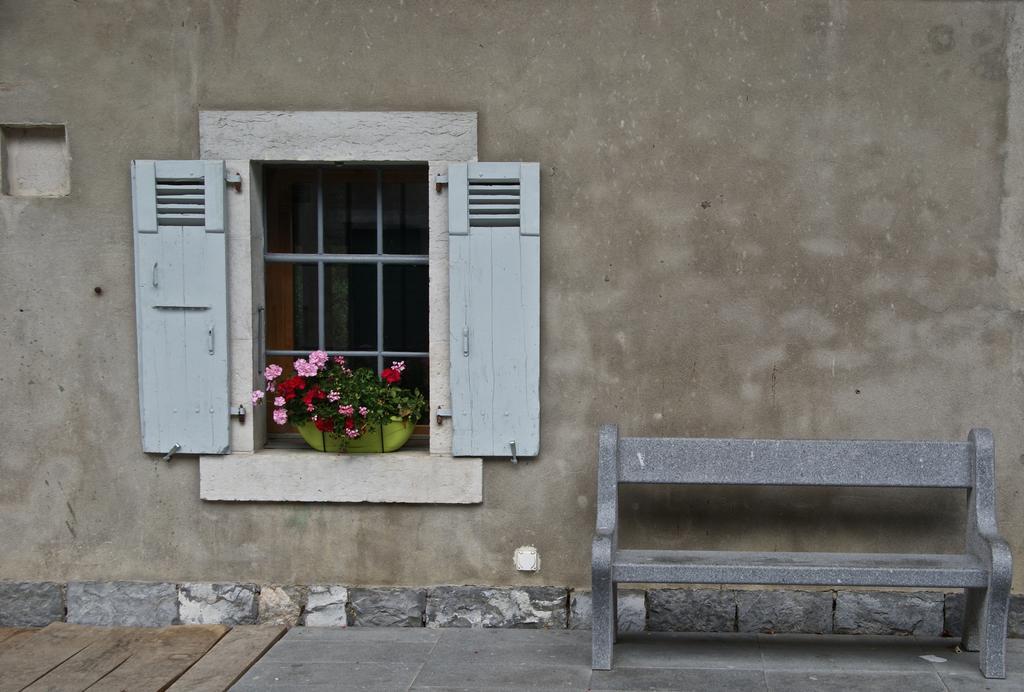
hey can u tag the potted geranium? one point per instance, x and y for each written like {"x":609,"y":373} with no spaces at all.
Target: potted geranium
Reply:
{"x":337,"y":409}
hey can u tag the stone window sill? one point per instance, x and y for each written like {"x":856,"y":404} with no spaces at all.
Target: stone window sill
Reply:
{"x":286,"y":475}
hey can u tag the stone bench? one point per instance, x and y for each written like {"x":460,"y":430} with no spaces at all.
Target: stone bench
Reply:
{"x":983,"y":571}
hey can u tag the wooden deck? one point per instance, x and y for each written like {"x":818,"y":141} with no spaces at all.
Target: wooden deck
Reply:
{"x":70,"y":658}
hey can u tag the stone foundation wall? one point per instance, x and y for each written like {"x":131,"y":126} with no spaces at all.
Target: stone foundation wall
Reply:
{"x":156,"y":604}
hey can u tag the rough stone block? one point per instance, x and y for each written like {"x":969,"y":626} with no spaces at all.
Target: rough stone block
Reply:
{"x":30,"y":603}
{"x":691,"y":610}
{"x":386,"y":607}
{"x":1015,"y":623}
{"x":953,"y":614}
{"x":325,"y":606}
{"x":281,"y":605}
{"x":884,"y":612}
{"x":808,"y":612}
{"x":122,"y":603}
{"x":632,"y":611}
{"x":537,"y":607}
{"x":225,"y":604}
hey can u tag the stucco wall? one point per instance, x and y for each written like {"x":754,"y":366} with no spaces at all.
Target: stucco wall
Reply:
{"x":758,"y":219}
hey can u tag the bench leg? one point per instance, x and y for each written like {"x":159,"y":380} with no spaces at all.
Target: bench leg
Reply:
{"x":985,"y":615}
{"x":603,"y":627}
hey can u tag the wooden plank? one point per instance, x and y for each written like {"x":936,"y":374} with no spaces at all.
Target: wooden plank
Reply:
{"x":112,"y":648}
{"x":30,"y":658}
{"x":9,"y":632}
{"x":226,"y":662}
{"x":167,"y":654}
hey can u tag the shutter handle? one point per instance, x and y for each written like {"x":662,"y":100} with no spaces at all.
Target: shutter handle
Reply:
{"x":209,"y":333}
{"x":465,"y":341}
{"x":155,"y":275}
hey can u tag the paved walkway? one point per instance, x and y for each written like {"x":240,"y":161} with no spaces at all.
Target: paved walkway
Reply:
{"x":458,"y":659}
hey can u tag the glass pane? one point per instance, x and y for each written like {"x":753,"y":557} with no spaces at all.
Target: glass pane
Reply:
{"x":291,"y":293}
{"x":356,"y":362}
{"x":350,"y":212}
{"x":291,"y":210}
{"x":404,"y":206}
{"x":405,"y":307}
{"x":350,"y":307}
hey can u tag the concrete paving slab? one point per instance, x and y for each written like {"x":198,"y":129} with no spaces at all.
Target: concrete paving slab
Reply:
{"x":677,"y":680}
{"x":851,"y":653}
{"x":339,"y":675}
{"x":788,"y":681}
{"x":487,"y":675}
{"x":495,"y":659}
{"x":678,"y":650}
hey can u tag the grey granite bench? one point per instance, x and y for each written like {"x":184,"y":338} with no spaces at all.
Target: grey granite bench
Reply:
{"x":983,"y":571}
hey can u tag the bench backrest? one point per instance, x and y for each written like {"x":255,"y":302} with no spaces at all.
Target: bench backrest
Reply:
{"x":882,"y":463}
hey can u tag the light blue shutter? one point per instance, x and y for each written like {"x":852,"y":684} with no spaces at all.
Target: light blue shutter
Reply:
{"x":494,"y":275}
{"x":181,"y":305}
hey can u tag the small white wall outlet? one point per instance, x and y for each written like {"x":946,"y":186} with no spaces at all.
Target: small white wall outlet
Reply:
{"x":526,"y":559}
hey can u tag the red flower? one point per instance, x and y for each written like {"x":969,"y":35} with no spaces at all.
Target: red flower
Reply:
{"x":391,"y":376}
{"x":349,"y":424}
{"x":290,"y":387}
{"x":314,"y":393}
{"x":325,"y":425}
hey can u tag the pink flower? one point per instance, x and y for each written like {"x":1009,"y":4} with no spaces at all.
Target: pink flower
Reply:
{"x":346,"y":410}
{"x":363,"y":411}
{"x":310,"y":407}
{"x":340,"y":360}
{"x":257,"y":396}
{"x":398,"y":365}
{"x":306,"y":369}
{"x":279,"y":401}
{"x":280,"y":416}
{"x":352,"y":432}
{"x":318,"y":358}
{"x":272,"y":372}
{"x":333,"y":396}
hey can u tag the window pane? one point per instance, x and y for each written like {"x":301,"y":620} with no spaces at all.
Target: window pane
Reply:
{"x":405,"y":307}
{"x":404,"y":206}
{"x":291,"y":210}
{"x":291,"y":306}
{"x":350,"y":212}
{"x":351,"y":307}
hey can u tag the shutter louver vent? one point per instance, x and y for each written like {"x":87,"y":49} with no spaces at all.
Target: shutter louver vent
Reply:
{"x":180,"y":202}
{"x":493,"y":202}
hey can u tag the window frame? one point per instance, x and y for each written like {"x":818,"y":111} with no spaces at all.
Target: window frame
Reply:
{"x":246,"y":140}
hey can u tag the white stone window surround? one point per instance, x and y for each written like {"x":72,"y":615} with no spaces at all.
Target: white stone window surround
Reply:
{"x":245,"y":140}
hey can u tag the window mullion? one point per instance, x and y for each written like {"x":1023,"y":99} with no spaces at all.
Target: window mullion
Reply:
{"x":380,"y":271}
{"x":320,"y":273}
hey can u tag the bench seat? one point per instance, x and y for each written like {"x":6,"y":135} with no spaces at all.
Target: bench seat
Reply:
{"x":823,"y":569}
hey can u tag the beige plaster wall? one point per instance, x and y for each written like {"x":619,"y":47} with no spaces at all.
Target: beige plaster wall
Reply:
{"x":758,"y":219}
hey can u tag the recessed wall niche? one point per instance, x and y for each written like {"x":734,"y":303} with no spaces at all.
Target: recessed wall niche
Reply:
{"x":34,"y":161}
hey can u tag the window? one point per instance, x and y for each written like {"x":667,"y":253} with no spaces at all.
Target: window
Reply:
{"x":254,"y":144}
{"x":346,"y":267}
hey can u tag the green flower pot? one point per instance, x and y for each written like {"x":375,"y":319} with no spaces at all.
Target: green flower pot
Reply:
{"x":393,"y":437}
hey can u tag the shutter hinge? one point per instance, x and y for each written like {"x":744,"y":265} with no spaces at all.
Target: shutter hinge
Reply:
{"x":174,"y":448}
{"x":441,"y":414}
{"x":234,"y":180}
{"x":439,"y":180}
{"x":238,"y":413}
